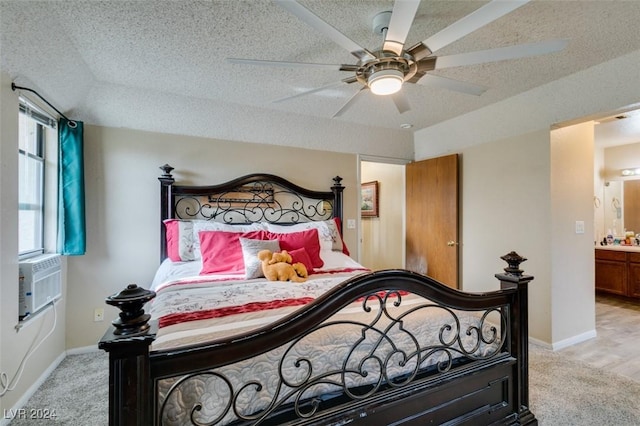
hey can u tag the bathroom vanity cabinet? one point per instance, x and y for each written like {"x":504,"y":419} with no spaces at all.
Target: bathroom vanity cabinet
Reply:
{"x":618,"y":270}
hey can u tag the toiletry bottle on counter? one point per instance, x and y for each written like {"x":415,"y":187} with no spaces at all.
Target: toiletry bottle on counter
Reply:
{"x":609,"y":237}
{"x":628,"y":237}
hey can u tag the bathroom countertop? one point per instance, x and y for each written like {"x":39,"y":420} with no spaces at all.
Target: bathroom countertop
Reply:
{"x":619,"y":248}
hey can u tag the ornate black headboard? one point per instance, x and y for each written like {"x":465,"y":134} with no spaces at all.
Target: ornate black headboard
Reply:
{"x":257,"y":197}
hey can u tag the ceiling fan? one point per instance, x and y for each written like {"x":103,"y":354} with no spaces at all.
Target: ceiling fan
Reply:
{"x":385,"y":71}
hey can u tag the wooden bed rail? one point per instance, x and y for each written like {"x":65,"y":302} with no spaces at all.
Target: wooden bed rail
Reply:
{"x":128,"y":342}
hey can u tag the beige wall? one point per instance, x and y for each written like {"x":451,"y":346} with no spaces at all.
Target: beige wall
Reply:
{"x":621,"y":157}
{"x":525,"y":193}
{"x":122,"y":194}
{"x":14,"y":345}
{"x":572,"y":257}
{"x":382,"y":238}
{"x":505,"y":206}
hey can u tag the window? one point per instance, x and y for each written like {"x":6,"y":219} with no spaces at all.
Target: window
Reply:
{"x":32,"y":132}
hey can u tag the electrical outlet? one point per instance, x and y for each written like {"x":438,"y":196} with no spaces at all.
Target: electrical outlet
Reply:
{"x":579,"y":227}
{"x":351,"y":224}
{"x":98,"y":314}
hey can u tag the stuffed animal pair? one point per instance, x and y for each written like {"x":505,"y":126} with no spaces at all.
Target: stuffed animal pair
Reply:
{"x":278,"y":267}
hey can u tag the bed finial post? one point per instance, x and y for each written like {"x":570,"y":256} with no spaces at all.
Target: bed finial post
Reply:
{"x":130,"y":301}
{"x":337,"y":189}
{"x":127,"y":341}
{"x":513,"y":277}
{"x":166,"y":206}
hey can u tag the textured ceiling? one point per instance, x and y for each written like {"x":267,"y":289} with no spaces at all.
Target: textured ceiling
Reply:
{"x":86,"y":55}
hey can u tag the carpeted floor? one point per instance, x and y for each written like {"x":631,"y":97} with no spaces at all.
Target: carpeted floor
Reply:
{"x":562,"y":392}
{"x":567,"y":392}
{"x":77,"y":392}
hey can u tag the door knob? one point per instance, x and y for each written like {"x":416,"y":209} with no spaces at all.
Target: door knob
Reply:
{"x":452,"y":243}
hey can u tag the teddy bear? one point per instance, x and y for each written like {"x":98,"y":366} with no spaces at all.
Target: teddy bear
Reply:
{"x":281,"y":270}
{"x":281,"y":256}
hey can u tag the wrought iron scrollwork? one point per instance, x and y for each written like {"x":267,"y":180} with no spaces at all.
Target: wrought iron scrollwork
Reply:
{"x":393,"y":346}
{"x":256,"y":202}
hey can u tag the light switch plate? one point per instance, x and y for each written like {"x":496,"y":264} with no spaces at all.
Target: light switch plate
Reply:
{"x":579,"y":227}
{"x":351,"y":224}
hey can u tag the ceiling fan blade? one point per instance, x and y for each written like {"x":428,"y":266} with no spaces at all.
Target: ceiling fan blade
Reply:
{"x":401,"y":101}
{"x":308,"y":92}
{"x":404,"y":11}
{"x":349,"y":103}
{"x":316,"y":22}
{"x":475,"y":20}
{"x":500,"y":54}
{"x":260,"y":62}
{"x":451,"y":84}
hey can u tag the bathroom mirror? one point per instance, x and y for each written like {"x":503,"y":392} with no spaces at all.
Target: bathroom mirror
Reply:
{"x":621,"y":207}
{"x":616,"y":150}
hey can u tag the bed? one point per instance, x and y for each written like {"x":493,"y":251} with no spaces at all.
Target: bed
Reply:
{"x":222,"y":345}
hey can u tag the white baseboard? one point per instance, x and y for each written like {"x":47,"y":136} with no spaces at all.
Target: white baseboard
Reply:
{"x":540,"y":343}
{"x":564,"y":343}
{"x":573,"y":340}
{"x":32,"y":389}
{"x":82,"y":350}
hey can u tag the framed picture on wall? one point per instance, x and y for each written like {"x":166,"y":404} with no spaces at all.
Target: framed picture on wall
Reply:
{"x":369,"y":206}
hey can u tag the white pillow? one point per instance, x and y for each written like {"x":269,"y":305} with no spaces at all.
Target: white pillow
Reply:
{"x":250,"y":250}
{"x":335,"y":260}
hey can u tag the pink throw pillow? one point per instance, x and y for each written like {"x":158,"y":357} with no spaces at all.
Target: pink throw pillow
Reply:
{"x":301,"y":255}
{"x":295,"y":240}
{"x":173,"y":239}
{"x":222,"y":252}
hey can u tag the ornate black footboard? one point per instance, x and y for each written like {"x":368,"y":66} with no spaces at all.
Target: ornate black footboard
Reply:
{"x":464,"y":373}
{"x":464,"y":363}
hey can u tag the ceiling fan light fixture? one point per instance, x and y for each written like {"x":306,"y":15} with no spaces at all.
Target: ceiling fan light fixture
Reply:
{"x":385,"y":82}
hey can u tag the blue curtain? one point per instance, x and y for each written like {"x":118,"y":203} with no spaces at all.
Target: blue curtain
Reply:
{"x":71,"y":218}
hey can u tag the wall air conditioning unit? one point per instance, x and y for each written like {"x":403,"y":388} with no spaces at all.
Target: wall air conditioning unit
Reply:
{"x":40,"y":283}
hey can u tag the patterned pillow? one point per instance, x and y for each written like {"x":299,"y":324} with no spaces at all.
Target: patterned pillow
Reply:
{"x":250,"y":249}
{"x":180,"y":242}
{"x":183,"y":241}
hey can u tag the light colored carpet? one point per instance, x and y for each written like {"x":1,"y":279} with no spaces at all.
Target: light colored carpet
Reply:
{"x":77,"y":392}
{"x":567,"y":392}
{"x":562,"y":392}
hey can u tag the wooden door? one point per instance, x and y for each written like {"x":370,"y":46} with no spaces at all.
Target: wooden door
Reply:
{"x":432,"y":218}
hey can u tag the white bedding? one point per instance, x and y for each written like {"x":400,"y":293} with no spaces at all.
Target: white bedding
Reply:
{"x":228,"y":305}
{"x":169,"y":271}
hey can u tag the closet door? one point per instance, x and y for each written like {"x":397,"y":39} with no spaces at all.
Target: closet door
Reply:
{"x":432,"y":218}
